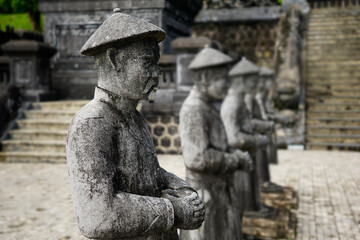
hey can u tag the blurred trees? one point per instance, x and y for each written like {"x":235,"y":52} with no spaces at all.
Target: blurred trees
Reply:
{"x":23,"y":6}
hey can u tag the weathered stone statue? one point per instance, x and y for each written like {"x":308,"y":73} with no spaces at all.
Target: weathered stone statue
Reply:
{"x":236,"y":113}
{"x":119,"y":190}
{"x":262,"y":124}
{"x":264,"y":101}
{"x":212,"y":167}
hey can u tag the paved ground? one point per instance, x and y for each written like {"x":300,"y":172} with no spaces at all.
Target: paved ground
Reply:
{"x":35,"y":201}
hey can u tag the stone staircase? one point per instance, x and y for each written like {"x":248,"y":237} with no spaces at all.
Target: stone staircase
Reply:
{"x":41,"y":135}
{"x":333,"y":79}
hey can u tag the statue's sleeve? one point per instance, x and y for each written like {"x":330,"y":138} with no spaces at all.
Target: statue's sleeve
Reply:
{"x":260,"y":103}
{"x":261,"y":126}
{"x":174,"y":182}
{"x":199,"y":155}
{"x":230,"y":112}
{"x":102,"y":210}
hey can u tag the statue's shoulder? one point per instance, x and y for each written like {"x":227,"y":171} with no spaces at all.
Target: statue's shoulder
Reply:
{"x":92,"y":110}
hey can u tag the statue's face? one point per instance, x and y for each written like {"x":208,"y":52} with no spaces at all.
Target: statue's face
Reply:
{"x":269,"y":82}
{"x":250,"y":82}
{"x":261,"y":84}
{"x":137,"y":70}
{"x":214,"y":80}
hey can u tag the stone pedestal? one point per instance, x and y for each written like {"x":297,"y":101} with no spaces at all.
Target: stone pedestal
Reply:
{"x":281,"y":226}
{"x":288,"y":199}
{"x":29,"y":63}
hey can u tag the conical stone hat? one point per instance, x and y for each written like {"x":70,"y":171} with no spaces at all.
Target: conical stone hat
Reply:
{"x":209,"y":57}
{"x":266,"y":71}
{"x":120,"y":29}
{"x":244,"y":67}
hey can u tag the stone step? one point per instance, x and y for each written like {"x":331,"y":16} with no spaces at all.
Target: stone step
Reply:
{"x":353,"y":100}
{"x":332,"y":43}
{"x":326,"y":129}
{"x":50,"y":114}
{"x":33,"y":146}
{"x":334,"y":12}
{"x":332,"y":107}
{"x":316,"y":56}
{"x":333,"y":138}
{"x":310,"y":92}
{"x":332,"y":121}
{"x":332,"y":75}
{"x":60,"y":105}
{"x":321,"y":37}
{"x":37,"y":134}
{"x":343,"y":18}
{"x":330,"y":47}
{"x":332,"y":146}
{"x":333,"y":32}
{"x":328,"y":23}
{"x":338,"y":114}
{"x":46,"y":124}
{"x":33,"y":157}
{"x":348,"y":65}
{"x":321,"y":85}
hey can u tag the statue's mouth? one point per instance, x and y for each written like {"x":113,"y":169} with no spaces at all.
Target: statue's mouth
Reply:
{"x":151,"y":85}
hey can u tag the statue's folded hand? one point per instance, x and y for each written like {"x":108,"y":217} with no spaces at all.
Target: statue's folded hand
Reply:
{"x":189,"y":209}
{"x":245,"y":160}
{"x":261,"y":140}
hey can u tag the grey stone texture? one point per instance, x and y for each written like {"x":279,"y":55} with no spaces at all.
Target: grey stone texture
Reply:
{"x":212,"y":167}
{"x":68,"y":24}
{"x":118,"y":187}
{"x":253,"y":39}
{"x":29,"y":67}
{"x":236,"y":113}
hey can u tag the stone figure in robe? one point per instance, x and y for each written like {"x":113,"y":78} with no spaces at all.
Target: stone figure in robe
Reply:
{"x":211,"y":165}
{"x":119,"y":189}
{"x":237,"y":115}
{"x":262,"y":122}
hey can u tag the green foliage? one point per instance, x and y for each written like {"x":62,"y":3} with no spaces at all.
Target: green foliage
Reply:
{"x":22,"y":6}
{"x":5,"y":6}
{"x":20,"y":20}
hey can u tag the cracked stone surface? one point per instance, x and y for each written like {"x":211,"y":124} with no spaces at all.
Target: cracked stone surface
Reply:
{"x":35,"y":200}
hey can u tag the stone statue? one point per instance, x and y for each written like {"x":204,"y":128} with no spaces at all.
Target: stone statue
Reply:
{"x":236,"y":113}
{"x":119,"y":190}
{"x":262,"y":124}
{"x":264,"y":101}
{"x":211,"y":165}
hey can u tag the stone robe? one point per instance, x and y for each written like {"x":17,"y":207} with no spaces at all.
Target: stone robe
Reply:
{"x":236,"y":116}
{"x":115,"y":175}
{"x":261,"y":114}
{"x":209,"y":170}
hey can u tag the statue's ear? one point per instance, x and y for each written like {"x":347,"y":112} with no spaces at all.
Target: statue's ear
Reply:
{"x":111,"y":57}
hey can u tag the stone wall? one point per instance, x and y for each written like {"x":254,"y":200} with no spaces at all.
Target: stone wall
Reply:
{"x":69,"y":23}
{"x":165,"y":132}
{"x":254,"y":40}
{"x":249,"y":32}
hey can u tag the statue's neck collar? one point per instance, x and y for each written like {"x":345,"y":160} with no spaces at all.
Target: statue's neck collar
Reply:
{"x":119,"y":102}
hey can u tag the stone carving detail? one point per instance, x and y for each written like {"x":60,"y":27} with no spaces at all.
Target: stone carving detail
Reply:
{"x":119,"y":189}
{"x":212,"y":167}
{"x":165,"y":132}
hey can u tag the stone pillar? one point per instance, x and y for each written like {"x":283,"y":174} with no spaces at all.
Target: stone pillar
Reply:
{"x":30,"y":68}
